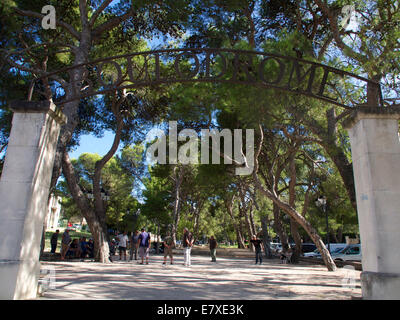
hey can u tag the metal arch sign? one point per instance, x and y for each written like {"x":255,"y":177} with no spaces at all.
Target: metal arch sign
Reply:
{"x":148,"y":68}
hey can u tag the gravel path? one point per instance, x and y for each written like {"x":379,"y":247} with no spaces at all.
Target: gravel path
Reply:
{"x":229,"y":278}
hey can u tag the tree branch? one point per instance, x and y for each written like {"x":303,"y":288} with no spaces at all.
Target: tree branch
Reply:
{"x":83,"y":14}
{"x":110,"y":24}
{"x":98,"y":11}
{"x":332,"y":17}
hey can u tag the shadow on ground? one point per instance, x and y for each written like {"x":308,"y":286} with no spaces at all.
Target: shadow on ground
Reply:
{"x":227,"y":279}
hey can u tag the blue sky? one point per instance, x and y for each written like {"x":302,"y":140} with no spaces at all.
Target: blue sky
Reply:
{"x":91,"y":144}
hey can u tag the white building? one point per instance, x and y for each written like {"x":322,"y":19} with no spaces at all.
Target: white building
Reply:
{"x":53,"y":215}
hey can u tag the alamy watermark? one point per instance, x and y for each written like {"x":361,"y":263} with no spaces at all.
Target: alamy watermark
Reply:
{"x":47,"y":279}
{"x":49,"y":20}
{"x":188,"y":153}
{"x":350,"y":17}
{"x":350,"y":277}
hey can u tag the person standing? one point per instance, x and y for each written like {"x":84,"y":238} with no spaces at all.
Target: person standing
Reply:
{"x":90,"y":248}
{"x":84,"y":247}
{"x":54,"y":240}
{"x":123,"y":240}
{"x":213,"y":249}
{"x":168,"y":246}
{"x":144,"y":243}
{"x":65,"y":241}
{"x":258,"y":246}
{"x":134,"y":241}
{"x":187,"y":246}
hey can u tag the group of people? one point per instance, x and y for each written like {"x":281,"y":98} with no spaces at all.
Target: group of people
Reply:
{"x":72,"y":248}
{"x":139,"y":244}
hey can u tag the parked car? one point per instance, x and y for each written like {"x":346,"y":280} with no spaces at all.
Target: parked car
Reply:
{"x":308,"y":247}
{"x":334,"y":249}
{"x":305,"y":247}
{"x":351,"y":252}
{"x":275,"y":247}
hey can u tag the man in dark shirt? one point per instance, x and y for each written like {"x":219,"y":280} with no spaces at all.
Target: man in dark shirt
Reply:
{"x":187,"y":246}
{"x":84,"y":247}
{"x":258,"y":246}
{"x":53,"y":241}
{"x":134,"y":241}
{"x":213,"y":249}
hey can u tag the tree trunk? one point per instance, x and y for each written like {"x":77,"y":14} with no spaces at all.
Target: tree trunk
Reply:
{"x":301,"y":221}
{"x":243,"y":208}
{"x":335,"y":152}
{"x":373,"y":94}
{"x":340,"y":235}
{"x":229,"y":207}
{"x":158,"y":238}
{"x":100,"y":237}
{"x":266,"y":238}
{"x":297,"y":240}
{"x":249,"y":229}
{"x":334,"y":235}
{"x":96,"y":223}
{"x":43,"y":241}
{"x":179,"y":174}
{"x":251,"y":217}
{"x":70,"y":109}
{"x":279,"y":228}
{"x":196,"y":224}
{"x":240,"y":239}
{"x":292,"y":203}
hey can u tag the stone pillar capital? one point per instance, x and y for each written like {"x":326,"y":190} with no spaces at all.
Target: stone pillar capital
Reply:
{"x":360,"y":113}
{"x":45,"y":106}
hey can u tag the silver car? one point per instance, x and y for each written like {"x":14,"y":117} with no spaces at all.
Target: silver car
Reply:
{"x":351,"y":253}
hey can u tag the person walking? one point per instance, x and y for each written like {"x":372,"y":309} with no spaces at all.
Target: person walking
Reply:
{"x":65,"y":241}
{"x":134,"y":241}
{"x":213,"y":249}
{"x":187,"y":246}
{"x":123,"y":240}
{"x":258,"y":246}
{"x":144,"y":243}
{"x":54,"y":240}
{"x":168,"y":246}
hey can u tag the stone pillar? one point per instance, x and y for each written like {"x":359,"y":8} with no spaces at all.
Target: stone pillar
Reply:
{"x":375,"y":149}
{"x":24,"y":189}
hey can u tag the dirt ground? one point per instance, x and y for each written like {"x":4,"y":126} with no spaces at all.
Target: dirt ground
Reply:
{"x":227,"y":279}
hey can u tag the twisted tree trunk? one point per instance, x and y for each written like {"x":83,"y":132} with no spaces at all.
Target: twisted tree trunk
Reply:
{"x":179,"y":172}
{"x":279,"y":227}
{"x":330,"y":264}
{"x":292,"y":202}
{"x":297,"y":217}
{"x":229,"y":207}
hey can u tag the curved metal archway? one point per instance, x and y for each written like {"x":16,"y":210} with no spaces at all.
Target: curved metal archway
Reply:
{"x":142,"y":69}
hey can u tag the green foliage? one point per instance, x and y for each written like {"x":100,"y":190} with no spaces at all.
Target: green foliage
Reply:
{"x":292,"y":28}
{"x":116,"y":182}
{"x":156,"y":200}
